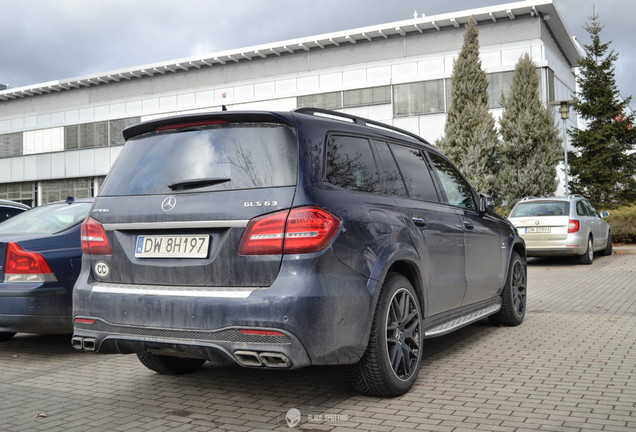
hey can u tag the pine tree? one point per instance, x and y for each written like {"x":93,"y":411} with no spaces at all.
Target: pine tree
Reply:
{"x":470,"y":137}
{"x":530,"y":146}
{"x":603,"y":167}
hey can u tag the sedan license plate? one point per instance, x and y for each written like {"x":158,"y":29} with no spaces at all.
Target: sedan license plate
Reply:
{"x":538,"y":229}
{"x":172,"y":246}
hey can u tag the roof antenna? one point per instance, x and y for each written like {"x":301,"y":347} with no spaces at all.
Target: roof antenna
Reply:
{"x":223,"y":108}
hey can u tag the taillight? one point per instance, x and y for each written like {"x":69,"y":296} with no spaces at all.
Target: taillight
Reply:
{"x":94,"y":240}
{"x":300,"y":230}
{"x":26,"y":266}
{"x":573,"y":226}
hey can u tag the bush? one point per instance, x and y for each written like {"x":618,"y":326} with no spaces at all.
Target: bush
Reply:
{"x":623,"y":224}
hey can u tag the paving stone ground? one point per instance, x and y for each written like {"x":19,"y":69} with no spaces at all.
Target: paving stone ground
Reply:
{"x":571,"y":366}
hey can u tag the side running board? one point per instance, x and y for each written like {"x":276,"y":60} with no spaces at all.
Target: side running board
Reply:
{"x":449,"y":326}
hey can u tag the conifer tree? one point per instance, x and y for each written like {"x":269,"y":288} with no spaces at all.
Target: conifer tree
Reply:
{"x":531,"y":146}
{"x":470,"y":137}
{"x":603,"y":165}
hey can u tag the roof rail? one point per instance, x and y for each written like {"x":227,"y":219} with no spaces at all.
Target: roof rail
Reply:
{"x":358,"y":120}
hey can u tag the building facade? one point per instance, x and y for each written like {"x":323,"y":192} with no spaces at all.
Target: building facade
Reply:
{"x":60,"y":138}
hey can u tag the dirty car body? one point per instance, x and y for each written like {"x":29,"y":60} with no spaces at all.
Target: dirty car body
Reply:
{"x":269,"y":239}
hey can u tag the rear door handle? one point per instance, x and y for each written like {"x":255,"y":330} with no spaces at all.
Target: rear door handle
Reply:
{"x":420,"y":222}
{"x":468,"y":225}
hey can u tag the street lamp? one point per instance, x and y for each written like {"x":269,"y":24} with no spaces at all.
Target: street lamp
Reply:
{"x":564,"y":110}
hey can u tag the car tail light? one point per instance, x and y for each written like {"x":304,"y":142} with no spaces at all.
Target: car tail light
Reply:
{"x":26,"y":266}
{"x":300,"y":230}
{"x":94,"y":240}
{"x":573,"y":226}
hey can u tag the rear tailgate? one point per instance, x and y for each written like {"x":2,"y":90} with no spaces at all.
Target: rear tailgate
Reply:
{"x":180,"y":195}
{"x":195,"y":244}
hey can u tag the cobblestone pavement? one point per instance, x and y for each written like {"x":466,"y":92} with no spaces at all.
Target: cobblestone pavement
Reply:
{"x":571,"y":366}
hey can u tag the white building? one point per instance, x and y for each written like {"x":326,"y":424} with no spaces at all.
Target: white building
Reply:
{"x":60,"y":138}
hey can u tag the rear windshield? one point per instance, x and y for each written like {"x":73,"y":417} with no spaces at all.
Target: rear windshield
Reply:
{"x":227,"y":157}
{"x":546,"y":208}
{"x":47,"y":219}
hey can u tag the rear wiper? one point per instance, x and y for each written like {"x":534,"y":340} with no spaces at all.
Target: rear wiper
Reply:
{"x":197,"y":183}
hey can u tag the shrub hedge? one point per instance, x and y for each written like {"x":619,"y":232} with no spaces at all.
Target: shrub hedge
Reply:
{"x":623,"y":224}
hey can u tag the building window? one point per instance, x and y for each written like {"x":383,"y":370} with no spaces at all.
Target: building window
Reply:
{"x":366,"y":96}
{"x":498,"y":84}
{"x":331,"y":100}
{"x":425,"y":97}
{"x":56,"y":190}
{"x":21,"y":192}
{"x":116,"y":129}
{"x":87,"y":135}
{"x":11,"y":145}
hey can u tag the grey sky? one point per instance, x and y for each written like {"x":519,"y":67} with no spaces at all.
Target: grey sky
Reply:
{"x":46,"y":40}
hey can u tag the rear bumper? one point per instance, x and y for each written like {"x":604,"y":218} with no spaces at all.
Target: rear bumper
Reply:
{"x":35,"y":308}
{"x":572,"y":245}
{"x":324,"y":318}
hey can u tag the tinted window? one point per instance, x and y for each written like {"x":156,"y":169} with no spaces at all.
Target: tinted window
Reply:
{"x":7,"y":212}
{"x":580,"y":209}
{"x":591,"y":211}
{"x":457,"y":190}
{"x":350,"y":164}
{"x":417,"y":177}
{"x":46,"y":219}
{"x":242,"y":156}
{"x":392,"y":177}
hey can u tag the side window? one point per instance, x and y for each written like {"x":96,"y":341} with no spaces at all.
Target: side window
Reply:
{"x":392,"y":177}
{"x":580,"y":209}
{"x":457,"y":190}
{"x":591,"y":211}
{"x":350,"y":164}
{"x":418,"y":180}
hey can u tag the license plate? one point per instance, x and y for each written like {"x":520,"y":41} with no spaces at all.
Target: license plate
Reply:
{"x":538,"y":229}
{"x":172,"y":246}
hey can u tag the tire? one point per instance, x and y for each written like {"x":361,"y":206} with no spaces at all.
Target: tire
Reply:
{"x":5,"y":336}
{"x":608,"y":247}
{"x":513,"y":297}
{"x":588,"y":256}
{"x":169,"y":365}
{"x":390,"y":365}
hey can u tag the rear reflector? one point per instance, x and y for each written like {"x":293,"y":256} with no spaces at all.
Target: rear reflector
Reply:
{"x":300,"y":230}
{"x":261,"y":332}
{"x":85,"y":321}
{"x":94,"y":240}
{"x":26,"y":266}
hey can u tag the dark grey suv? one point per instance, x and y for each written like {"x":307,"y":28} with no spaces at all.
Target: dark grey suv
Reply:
{"x":289,"y":239}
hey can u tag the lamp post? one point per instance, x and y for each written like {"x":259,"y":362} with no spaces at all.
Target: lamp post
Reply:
{"x":564,"y":110}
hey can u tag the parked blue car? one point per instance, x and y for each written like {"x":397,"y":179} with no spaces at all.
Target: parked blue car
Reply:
{"x":40,"y":259}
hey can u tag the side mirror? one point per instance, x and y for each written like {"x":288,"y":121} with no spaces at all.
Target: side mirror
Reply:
{"x":604,"y":213}
{"x":486,"y":204}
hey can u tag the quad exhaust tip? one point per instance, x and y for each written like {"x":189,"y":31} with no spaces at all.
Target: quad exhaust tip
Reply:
{"x":266,"y":359}
{"x":84,"y":344}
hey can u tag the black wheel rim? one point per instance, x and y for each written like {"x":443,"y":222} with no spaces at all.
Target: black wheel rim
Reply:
{"x":519,"y":288}
{"x":403,"y":334}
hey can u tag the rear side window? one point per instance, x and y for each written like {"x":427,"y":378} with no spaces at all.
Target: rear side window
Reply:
{"x":417,"y":176}
{"x":350,"y":164}
{"x":457,"y":190}
{"x":229,"y":157}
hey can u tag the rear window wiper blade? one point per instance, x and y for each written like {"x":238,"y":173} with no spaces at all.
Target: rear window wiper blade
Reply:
{"x":197,"y":183}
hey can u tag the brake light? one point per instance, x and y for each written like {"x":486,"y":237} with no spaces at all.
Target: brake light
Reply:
{"x":193,"y":124}
{"x":94,"y":240}
{"x":300,"y":230}
{"x":573,"y":226}
{"x":26,"y":266}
